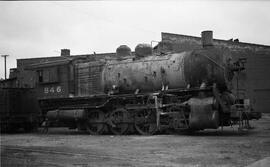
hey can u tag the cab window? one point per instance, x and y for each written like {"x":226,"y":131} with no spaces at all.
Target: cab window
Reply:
{"x":48,"y":75}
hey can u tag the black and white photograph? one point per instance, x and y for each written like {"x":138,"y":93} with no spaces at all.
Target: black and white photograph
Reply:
{"x":135,"y":83}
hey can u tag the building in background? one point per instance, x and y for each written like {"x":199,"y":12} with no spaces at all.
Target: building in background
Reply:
{"x":255,"y":81}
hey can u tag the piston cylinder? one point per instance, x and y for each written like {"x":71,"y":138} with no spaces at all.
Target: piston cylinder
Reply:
{"x":66,"y":114}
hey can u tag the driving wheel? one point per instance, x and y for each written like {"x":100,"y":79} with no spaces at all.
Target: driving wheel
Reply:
{"x":145,"y":122}
{"x":119,"y":121}
{"x":95,"y":124}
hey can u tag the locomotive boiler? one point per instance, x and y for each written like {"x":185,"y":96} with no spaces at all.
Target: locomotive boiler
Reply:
{"x":150,"y":73}
{"x":150,"y":92}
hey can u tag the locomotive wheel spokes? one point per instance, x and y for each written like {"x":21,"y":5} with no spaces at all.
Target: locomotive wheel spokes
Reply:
{"x":119,"y":121}
{"x":95,"y":123}
{"x":145,"y":122}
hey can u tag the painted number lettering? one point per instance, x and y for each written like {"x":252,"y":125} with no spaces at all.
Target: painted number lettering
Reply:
{"x":57,"y":89}
{"x":52,"y":90}
{"x":46,"y":90}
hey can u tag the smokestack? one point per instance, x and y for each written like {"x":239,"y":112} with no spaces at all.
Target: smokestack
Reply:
{"x":207,"y":38}
{"x":65,"y":52}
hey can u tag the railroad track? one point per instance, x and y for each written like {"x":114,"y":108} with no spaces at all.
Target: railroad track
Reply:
{"x":65,"y":153}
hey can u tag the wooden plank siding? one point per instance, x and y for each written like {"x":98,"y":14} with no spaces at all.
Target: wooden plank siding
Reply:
{"x":88,"y":78}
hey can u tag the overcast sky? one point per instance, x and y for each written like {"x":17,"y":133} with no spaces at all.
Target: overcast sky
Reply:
{"x":41,"y":29}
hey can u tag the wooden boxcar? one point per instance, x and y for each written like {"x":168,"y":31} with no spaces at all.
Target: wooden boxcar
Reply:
{"x":19,"y":109}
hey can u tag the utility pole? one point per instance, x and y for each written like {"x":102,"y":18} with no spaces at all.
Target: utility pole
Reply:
{"x":5,"y":57}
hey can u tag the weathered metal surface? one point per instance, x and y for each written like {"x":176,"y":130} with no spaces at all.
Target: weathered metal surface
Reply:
{"x":146,"y":74}
{"x":172,"y":71}
{"x":208,"y":66}
{"x":202,"y":114}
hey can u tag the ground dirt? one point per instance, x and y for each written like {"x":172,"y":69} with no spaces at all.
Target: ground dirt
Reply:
{"x":63,"y":147}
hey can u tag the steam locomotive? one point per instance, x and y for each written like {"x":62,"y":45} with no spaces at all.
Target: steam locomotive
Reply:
{"x":144,"y":91}
{"x":150,"y":92}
